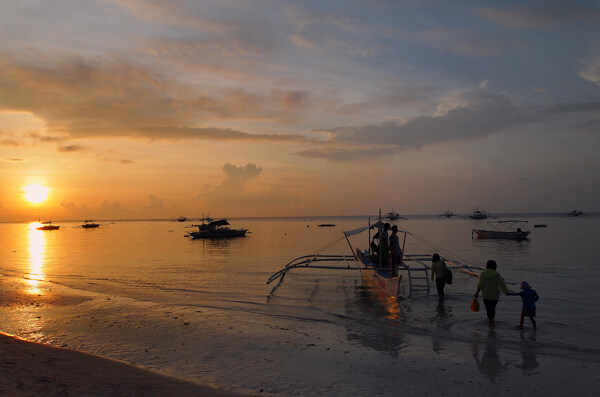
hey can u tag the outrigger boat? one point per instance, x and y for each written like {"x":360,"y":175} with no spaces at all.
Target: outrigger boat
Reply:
{"x":479,"y":214}
{"x":447,"y":214}
{"x":575,"y":213}
{"x":89,"y":224}
{"x":394,"y":216}
{"x":508,"y":230}
{"x":412,"y":273}
{"x":48,"y":226}
{"x":210,"y":228}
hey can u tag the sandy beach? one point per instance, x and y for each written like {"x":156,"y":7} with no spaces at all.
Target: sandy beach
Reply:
{"x":34,"y":369}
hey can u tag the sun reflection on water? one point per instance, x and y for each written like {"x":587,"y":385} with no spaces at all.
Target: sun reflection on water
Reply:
{"x":37,"y":250}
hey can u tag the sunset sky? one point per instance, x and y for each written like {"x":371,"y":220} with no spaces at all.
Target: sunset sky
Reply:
{"x":156,"y":109}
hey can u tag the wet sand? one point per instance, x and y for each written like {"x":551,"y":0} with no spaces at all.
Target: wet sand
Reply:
{"x":34,"y":369}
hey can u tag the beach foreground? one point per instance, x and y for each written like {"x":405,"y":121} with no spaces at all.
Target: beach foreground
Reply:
{"x":31,"y":369}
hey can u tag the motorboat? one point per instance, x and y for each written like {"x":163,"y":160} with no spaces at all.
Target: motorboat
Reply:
{"x":210,"y":228}
{"x":48,"y":226}
{"x":447,"y":214}
{"x":479,"y":214}
{"x":394,"y":216}
{"x":575,"y":213}
{"x":89,"y":224}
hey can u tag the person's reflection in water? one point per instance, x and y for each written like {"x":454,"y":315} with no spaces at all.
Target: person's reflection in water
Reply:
{"x":442,"y":321}
{"x":529,"y":363}
{"x":489,"y":363}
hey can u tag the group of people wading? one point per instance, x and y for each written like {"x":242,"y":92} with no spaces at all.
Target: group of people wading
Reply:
{"x":490,"y":281}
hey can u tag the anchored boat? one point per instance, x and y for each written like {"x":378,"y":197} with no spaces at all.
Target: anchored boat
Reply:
{"x":508,"y":230}
{"x":89,"y":224}
{"x":479,"y":214}
{"x":210,"y":228}
{"x":48,"y":226}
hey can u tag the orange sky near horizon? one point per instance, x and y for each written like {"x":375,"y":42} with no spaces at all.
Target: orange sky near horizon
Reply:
{"x":138,"y":110}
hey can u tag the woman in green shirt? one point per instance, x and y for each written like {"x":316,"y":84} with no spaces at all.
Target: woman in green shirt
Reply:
{"x":437,"y":270}
{"x":490,"y":283}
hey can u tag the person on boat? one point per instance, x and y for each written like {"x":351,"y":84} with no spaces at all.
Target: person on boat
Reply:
{"x":384,"y":245}
{"x":529,"y":297}
{"x":374,"y":245}
{"x":490,"y":283}
{"x":438,"y":270}
{"x":395,"y":250}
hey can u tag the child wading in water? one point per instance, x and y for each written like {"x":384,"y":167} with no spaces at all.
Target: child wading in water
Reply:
{"x":529,"y":297}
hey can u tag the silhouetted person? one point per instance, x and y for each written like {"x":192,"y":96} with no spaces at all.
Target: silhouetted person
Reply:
{"x":490,"y":283}
{"x":529,"y":297}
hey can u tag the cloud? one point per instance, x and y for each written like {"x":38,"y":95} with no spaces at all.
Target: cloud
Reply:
{"x":234,"y":192}
{"x":14,"y":160}
{"x":70,"y":148}
{"x":45,"y":138}
{"x":125,"y":161}
{"x":540,"y":15}
{"x":110,"y":96}
{"x":10,"y":142}
{"x":468,"y":42}
{"x":464,"y":116}
{"x":157,"y":207}
{"x":591,"y":70}
{"x":215,"y":133}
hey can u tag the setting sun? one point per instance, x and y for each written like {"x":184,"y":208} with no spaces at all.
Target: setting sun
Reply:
{"x":36,"y":193}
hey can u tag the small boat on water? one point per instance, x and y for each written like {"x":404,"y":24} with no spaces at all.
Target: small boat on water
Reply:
{"x":394,"y":216}
{"x":48,"y":226}
{"x":508,"y":230}
{"x":447,"y":214}
{"x":210,"y":228}
{"x":326,"y":225}
{"x":479,"y":214}
{"x":540,"y":225}
{"x":575,"y":213}
{"x":181,"y":219}
{"x":89,"y":224}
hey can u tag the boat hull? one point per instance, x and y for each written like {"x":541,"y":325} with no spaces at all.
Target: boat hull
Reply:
{"x":48,"y":227}
{"x":493,"y":234}
{"x":378,"y":277}
{"x":229,"y":233}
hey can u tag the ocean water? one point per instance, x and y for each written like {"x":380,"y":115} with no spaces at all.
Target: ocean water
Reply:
{"x":141,"y":292}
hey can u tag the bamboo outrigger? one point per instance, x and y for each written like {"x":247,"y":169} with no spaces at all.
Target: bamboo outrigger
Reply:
{"x":412,"y":271}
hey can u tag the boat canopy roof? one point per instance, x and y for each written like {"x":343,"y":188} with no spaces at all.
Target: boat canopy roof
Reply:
{"x":509,"y":224}
{"x":220,"y":222}
{"x":376,"y":225}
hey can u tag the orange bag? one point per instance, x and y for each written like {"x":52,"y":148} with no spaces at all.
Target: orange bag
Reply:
{"x":474,"y":305}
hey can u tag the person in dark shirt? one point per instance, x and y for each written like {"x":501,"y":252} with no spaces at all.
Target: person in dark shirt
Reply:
{"x":529,"y":297}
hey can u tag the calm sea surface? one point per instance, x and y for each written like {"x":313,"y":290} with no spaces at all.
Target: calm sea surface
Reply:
{"x":141,"y":292}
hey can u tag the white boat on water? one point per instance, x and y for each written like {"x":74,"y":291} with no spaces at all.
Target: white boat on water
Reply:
{"x":413,"y":272}
{"x":394,"y":216}
{"x":479,"y":214}
{"x":507,"y":230}
{"x":447,"y":214}
{"x":210,"y":228}
{"x":575,"y":213}
{"x":89,"y":224}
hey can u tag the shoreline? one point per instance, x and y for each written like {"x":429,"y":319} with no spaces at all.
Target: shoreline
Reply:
{"x":33,"y":368}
